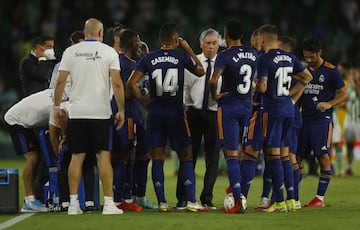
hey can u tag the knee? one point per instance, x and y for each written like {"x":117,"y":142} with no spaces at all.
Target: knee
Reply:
{"x":185,"y":155}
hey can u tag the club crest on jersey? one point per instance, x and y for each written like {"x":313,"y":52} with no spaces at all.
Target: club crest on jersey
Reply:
{"x":321,"y":78}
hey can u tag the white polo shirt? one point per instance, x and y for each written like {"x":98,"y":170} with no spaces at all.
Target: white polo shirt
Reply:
{"x":32,"y":111}
{"x":89,"y":63}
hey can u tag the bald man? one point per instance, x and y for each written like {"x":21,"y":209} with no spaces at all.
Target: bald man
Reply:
{"x":88,"y":64}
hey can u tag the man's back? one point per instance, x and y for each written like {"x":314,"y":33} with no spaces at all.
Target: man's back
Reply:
{"x":238,"y":64}
{"x":88,"y":64}
{"x":166,"y":68}
{"x":278,"y":66}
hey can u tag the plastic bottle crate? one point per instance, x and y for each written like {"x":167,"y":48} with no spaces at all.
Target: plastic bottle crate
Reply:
{"x":9,"y":191}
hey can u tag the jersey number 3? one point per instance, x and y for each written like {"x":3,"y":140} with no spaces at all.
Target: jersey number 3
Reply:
{"x":170,"y":82}
{"x":246,"y":71}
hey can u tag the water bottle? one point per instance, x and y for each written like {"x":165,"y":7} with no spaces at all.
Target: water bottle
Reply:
{"x":56,"y":202}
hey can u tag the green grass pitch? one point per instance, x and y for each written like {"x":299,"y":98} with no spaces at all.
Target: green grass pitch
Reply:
{"x":342,"y":210}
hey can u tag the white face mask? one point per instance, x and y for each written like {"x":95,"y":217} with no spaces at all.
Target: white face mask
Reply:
{"x":49,"y":54}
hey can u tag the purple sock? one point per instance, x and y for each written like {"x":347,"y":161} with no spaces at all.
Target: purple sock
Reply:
{"x":157,"y":172}
{"x":323,"y":182}
{"x":296,"y":183}
{"x":141,"y":171}
{"x":277,"y":177}
{"x":234,"y":175}
{"x":267,"y":182}
{"x":248,"y":170}
{"x":119,"y":180}
{"x":288,"y":179}
{"x":187,"y":176}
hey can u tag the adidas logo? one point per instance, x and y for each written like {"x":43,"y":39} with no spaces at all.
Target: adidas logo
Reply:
{"x":323,"y":182}
{"x":237,"y":185}
{"x":249,"y":182}
{"x":324,"y":148}
{"x":187,"y":182}
{"x":158,"y":184}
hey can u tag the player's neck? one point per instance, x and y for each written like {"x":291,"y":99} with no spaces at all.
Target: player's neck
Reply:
{"x":318,"y":64}
{"x":232,"y":43}
{"x":271,"y":46}
{"x":167,"y":46}
{"x":93,"y":38}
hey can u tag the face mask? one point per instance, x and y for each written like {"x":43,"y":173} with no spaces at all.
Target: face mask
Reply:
{"x":49,"y":54}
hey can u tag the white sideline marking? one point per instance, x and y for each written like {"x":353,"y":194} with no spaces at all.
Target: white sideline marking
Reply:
{"x":15,"y":220}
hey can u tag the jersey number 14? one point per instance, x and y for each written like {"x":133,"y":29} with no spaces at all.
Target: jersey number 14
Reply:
{"x":167,"y":85}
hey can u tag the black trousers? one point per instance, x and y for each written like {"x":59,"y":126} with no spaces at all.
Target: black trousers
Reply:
{"x":203,"y":124}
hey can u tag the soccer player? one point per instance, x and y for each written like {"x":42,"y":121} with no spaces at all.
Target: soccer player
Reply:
{"x":237,"y":65}
{"x":276,"y":69}
{"x":90,"y":65}
{"x":166,"y":119}
{"x":287,"y":44}
{"x":124,"y":142}
{"x":317,"y":107}
{"x":254,"y":134}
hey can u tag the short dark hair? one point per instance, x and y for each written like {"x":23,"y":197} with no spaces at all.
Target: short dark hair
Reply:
{"x":289,"y":41}
{"x":312,"y":44}
{"x":117,"y":29}
{"x":40,"y":40}
{"x":234,"y":29}
{"x":268,"y":29}
{"x":126,"y":38}
{"x":76,"y":36}
{"x":167,"y":31}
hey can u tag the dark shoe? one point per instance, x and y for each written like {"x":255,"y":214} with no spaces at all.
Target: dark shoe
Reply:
{"x":89,"y":209}
{"x":180,"y":205}
{"x":209,"y":205}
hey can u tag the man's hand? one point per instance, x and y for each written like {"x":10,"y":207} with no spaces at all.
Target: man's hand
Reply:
{"x":184,"y":44}
{"x":322,"y":106}
{"x":119,"y":120}
{"x":59,"y":116}
{"x":220,"y":95}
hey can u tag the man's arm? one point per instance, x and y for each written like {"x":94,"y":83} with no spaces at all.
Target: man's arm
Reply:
{"x":58,"y":92}
{"x":186,"y":47}
{"x":303,"y":78}
{"x":118,"y":88}
{"x":135,"y":77}
{"x":341,"y":96}
{"x":36,"y":71}
{"x":261,"y":85}
{"x":214,"y":85}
